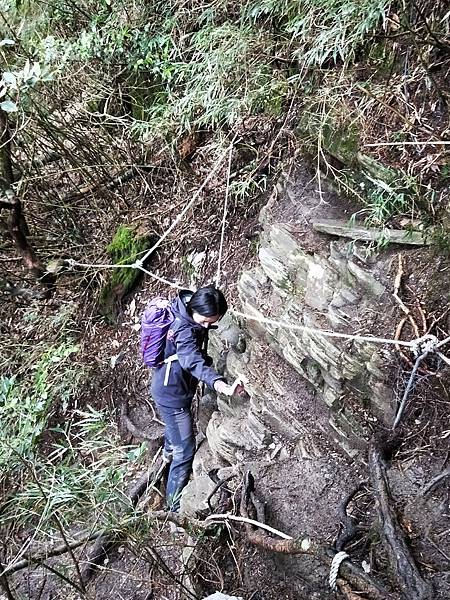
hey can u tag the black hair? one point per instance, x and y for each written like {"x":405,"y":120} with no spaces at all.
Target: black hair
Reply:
{"x":207,"y":301}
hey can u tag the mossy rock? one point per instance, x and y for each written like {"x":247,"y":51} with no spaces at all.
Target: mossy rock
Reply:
{"x":339,"y":137}
{"x":127,"y":245}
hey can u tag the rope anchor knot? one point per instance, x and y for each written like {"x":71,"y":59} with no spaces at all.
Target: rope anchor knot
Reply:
{"x":425,"y":344}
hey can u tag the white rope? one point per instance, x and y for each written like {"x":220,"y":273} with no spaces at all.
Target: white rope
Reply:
{"x":444,"y":358}
{"x":335,"y":334}
{"x":334,"y":569}
{"x":188,"y":205}
{"x":73,"y":263}
{"x":427,"y":342}
{"x":443,"y":342}
{"x":224,"y":217}
{"x":136,"y":265}
{"x":163,"y":280}
{"x":418,"y":143}
{"x":226,"y":516}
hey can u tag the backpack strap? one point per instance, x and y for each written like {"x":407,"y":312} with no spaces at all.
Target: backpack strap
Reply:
{"x":169,"y":360}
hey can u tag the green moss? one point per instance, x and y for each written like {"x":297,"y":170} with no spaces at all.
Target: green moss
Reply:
{"x":125,"y":248}
{"x":285,"y":284}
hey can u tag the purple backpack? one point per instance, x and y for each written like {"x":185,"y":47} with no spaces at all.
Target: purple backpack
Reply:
{"x":155,"y":324}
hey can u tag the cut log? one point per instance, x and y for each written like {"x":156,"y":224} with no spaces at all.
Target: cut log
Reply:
{"x":412,"y":585}
{"x":345,"y":229}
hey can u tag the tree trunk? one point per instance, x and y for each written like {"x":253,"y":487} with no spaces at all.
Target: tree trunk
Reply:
{"x":16,"y":225}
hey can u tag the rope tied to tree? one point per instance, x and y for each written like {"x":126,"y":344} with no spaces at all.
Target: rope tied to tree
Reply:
{"x":427,"y":346}
{"x":427,"y":343}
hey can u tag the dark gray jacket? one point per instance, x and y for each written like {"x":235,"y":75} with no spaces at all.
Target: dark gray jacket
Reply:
{"x":186,"y":339}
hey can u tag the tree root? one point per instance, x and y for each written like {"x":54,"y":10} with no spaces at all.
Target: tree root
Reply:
{"x":412,"y":585}
{"x":433,"y":483}
{"x":128,"y":424}
{"x":4,"y":584}
{"x":219,"y":485}
{"x":347,"y":523}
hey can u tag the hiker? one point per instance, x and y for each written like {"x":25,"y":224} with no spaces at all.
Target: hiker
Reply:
{"x":174,"y":381}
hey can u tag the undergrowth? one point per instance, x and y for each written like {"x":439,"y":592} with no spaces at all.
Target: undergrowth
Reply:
{"x":169,"y":70}
{"x":55,"y":458}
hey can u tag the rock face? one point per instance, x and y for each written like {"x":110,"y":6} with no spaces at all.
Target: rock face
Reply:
{"x":304,"y":278}
{"x":339,"y":293}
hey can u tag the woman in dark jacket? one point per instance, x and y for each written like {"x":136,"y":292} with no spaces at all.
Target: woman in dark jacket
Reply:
{"x":175,"y":381}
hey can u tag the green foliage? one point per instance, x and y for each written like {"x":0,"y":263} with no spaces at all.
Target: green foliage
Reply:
{"x":69,"y":470}
{"x":26,"y":405}
{"x":83,"y":474}
{"x":125,"y":246}
{"x":199,"y":67}
{"x":321,"y":30}
{"x":35,"y":383}
{"x":383,"y":201}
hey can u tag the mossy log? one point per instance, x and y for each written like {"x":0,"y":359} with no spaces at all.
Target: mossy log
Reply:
{"x":127,"y":245}
{"x":370,"y":234}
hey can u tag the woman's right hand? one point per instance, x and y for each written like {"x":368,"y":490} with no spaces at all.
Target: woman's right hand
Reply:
{"x":222,"y":387}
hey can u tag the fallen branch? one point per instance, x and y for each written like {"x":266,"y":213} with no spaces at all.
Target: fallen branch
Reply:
{"x":49,"y":552}
{"x":412,"y":585}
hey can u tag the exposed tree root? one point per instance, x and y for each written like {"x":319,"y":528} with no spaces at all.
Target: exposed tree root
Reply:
{"x":128,"y":424}
{"x":4,"y":584}
{"x":353,"y":580}
{"x":412,"y":585}
{"x":433,"y":483}
{"x":347,"y":523}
